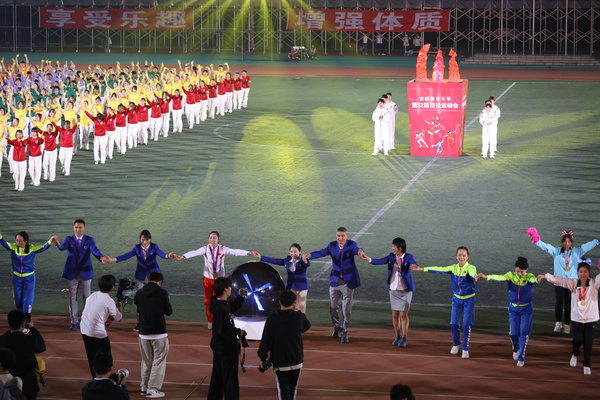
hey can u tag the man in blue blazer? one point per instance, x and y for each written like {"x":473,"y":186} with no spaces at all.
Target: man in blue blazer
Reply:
{"x":78,"y":267}
{"x":343,"y":279}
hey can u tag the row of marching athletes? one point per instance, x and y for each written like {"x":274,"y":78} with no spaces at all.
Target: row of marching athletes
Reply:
{"x":122,"y":117}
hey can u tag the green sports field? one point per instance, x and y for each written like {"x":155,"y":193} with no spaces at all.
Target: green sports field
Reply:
{"x":296,"y":164}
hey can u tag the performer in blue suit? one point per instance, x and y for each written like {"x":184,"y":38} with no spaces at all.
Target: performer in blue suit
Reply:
{"x":78,"y":266}
{"x":343,"y":280}
{"x":296,"y":273}
{"x":400,"y":285}
{"x":146,"y":253}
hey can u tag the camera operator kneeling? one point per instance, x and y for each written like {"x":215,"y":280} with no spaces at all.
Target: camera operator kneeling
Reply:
{"x":106,"y":386}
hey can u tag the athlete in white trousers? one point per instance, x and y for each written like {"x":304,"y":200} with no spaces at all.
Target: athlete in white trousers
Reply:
{"x":489,"y":132}
{"x":381,"y":118}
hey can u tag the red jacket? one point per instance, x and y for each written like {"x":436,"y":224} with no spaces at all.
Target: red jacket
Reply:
{"x":176,"y":101}
{"x":19,"y":147}
{"x":229,"y":85}
{"x":122,"y":118}
{"x":99,"y":126}
{"x":164,"y":106}
{"x":154,"y":109}
{"x":212,"y":91}
{"x":142,"y":113}
{"x":66,"y":135}
{"x":50,"y":140}
{"x":221,"y":88}
{"x":109,"y":122}
{"x":245,"y":81}
{"x":190,"y":97}
{"x":132,"y":117}
{"x":35,"y":146}
{"x":237,"y":84}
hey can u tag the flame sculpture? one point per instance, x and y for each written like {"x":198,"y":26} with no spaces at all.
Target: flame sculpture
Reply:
{"x":438,"y":68}
{"x":453,"y":70}
{"x":422,"y":64}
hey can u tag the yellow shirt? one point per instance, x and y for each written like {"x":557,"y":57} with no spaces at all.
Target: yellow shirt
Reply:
{"x":12,"y":132}
{"x":71,"y":116}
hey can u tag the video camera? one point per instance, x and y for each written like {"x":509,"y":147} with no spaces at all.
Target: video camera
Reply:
{"x":119,"y":376}
{"x":125,"y":291}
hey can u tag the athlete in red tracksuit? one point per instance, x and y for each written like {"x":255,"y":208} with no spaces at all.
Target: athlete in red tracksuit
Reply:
{"x":66,"y":145}
{"x":35,"y":156}
{"x":50,"y":153}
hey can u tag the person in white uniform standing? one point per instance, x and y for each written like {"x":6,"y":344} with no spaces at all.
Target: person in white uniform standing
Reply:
{"x":489,"y":132}
{"x":393,"y":107}
{"x":381,"y":118}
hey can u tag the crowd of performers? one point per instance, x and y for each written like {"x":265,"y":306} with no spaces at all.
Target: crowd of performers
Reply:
{"x":576,"y":290}
{"x":47,"y":110}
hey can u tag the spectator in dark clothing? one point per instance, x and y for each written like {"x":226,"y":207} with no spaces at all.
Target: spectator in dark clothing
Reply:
{"x":153,"y":304}
{"x":224,"y":344}
{"x":401,"y":392}
{"x":102,"y":387}
{"x":25,"y":347}
{"x":281,"y":344}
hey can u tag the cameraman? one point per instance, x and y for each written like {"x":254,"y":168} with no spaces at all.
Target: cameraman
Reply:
{"x":224,"y":343}
{"x":282,"y":340}
{"x":99,"y":308}
{"x":102,"y":387}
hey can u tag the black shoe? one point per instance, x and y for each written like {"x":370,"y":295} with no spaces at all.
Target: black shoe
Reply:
{"x":336,"y":332}
{"x":136,"y":328}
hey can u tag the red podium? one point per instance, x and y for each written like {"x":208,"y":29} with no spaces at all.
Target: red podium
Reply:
{"x":436,"y":115}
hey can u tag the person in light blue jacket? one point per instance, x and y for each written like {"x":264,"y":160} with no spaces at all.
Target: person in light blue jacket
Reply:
{"x":565,"y":266}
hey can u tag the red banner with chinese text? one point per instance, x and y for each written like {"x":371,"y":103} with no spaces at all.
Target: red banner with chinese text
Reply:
{"x":115,"y":18}
{"x":369,"y":20}
{"x":436,"y":116}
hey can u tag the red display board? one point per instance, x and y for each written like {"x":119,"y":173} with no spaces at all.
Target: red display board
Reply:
{"x":313,"y":19}
{"x":436,"y":115}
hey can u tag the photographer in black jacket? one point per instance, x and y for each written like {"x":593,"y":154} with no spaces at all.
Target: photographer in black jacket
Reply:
{"x":102,"y":387}
{"x":281,"y":344}
{"x":224,"y":344}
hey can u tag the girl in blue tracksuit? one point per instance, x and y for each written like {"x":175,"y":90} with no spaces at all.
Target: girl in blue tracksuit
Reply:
{"x":296,"y":273}
{"x":520,"y":307}
{"x":463,"y":277}
{"x":23,"y":264}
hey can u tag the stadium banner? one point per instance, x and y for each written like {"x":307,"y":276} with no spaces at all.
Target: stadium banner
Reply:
{"x":123,"y":19}
{"x":369,"y":20}
{"x":436,"y":116}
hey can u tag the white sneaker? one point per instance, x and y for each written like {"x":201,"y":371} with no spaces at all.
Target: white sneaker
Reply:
{"x":557,"y":327}
{"x":567,"y":329}
{"x":454,"y":349}
{"x":573,"y":362}
{"x":465,"y":354}
{"x":154,"y":394}
{"x":210,"y":325}
{"x":515,"y":355}
{"x":587,"y":371}
{"x":520,"y":363}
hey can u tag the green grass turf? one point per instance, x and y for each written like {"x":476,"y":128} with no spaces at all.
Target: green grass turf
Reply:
{"x":296,"y":164}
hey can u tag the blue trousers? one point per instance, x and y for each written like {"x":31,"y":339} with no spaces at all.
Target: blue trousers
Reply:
{"x":23,"y":291}
{"x":521,"y":322}
{"x":464,"y":308}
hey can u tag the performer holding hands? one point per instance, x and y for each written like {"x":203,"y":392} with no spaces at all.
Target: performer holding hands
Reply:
{"x":584,"y":310}
{"x":344,"y":278}
{"x":296,"y":271}
{"x":214,"y":265}
{"x":400,"y":285}
{"x":520,"y":307}
{"x":463,"y":277}
{"x":22,"y":255}
{"x":565,"y":266}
